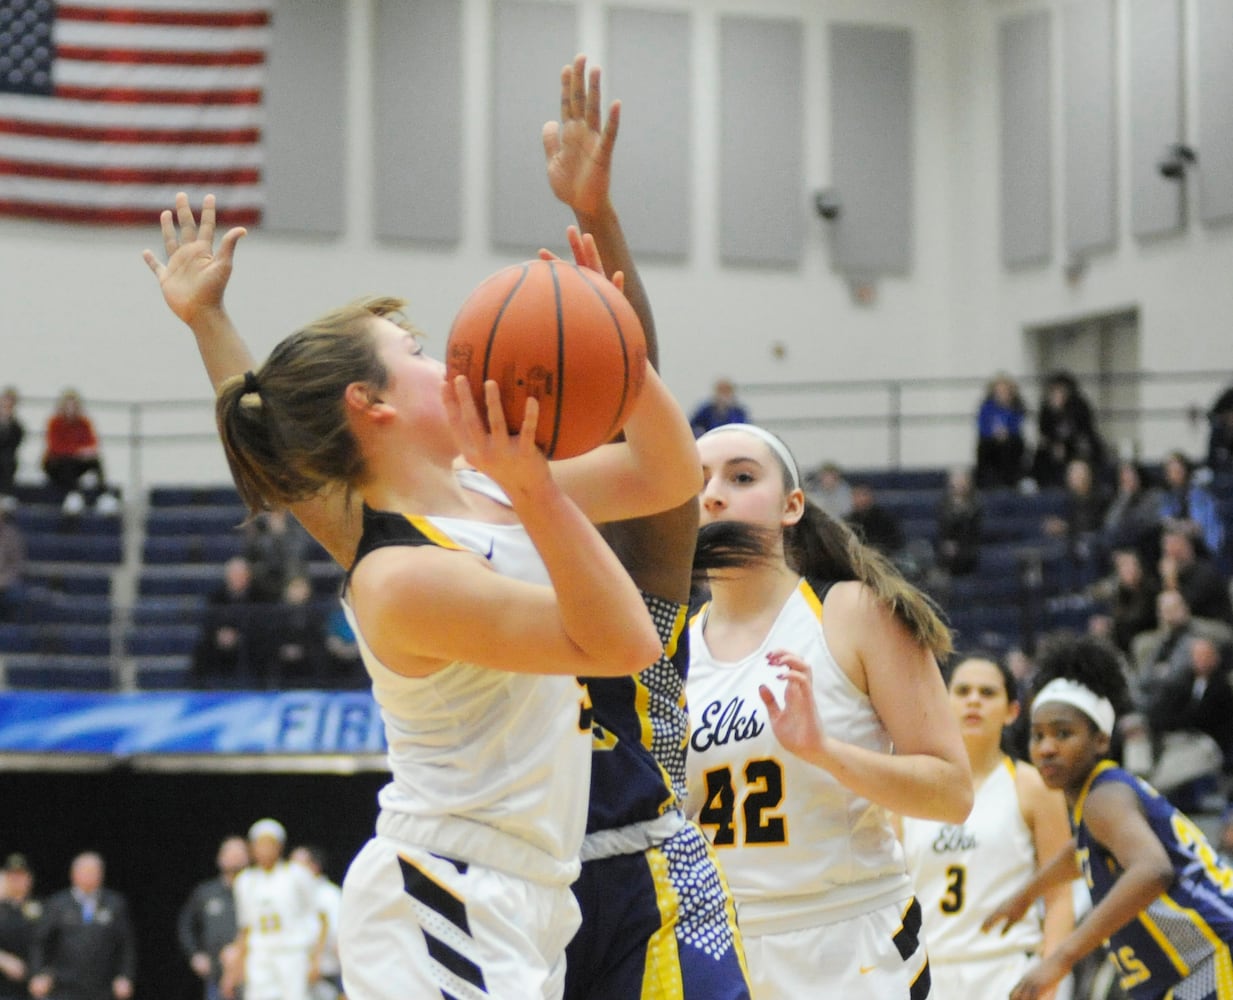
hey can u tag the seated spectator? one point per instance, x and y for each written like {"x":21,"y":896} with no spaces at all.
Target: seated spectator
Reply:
{"x":1220,"y":434}
{"x":1164,"y":652}
{"x":1191,"y":720}
{"x":276,"y":548}
{"x":224,"y":653}
{"x":290,"y":647}
{"x":1191,"y":505}
{"x":1133,"y":517}
{"x":1202,"y":585}
{"x":999,"y":427}
{"x":722,"y":408}
{"x":11,"y":434}
{"x":12,"y":560}
{"x":876,"y":525}
{"x":1130,"y":595}
{"x":72,"y":461}
{"x":344,"y":667}
{"x":1080,"y":525}
{"x":1066,"y":430}
{"x":960,"y":514}
{"x":830,"y":491}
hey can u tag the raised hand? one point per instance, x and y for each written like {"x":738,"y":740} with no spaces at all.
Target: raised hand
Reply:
{"x":195,"y":276}
{"x":797,"y":724}
{"x":512,"y":459}
{"x":586,"y":254}
{"x":1008,"y":913}
{"x":578,"y":149}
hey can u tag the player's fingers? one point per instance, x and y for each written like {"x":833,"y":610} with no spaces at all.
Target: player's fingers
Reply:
{"x":530,"y":422}
{"x":184,"y":214}
{"x":226,"y":248}
{"x":578,"y":88}
{"x":567,"y":81}
{"x":608,"y":137}
{"x":618,"y":279}
{"x":551,"y":136}
{"x":495,"y":411}
{"x":593,"y":100}
{"x":167,"y":223}
{"x":206,"y":230}
{"x":153,"y":263}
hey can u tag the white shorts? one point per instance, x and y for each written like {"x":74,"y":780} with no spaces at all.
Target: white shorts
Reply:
{"x":985,"y":977}
{"x":414,"y":924}
{"x":276,"y":974}
{"x":879,"y":954}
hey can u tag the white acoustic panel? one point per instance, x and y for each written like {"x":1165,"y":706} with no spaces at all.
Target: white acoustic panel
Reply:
{"x":1024,"y":76}
{"x":1089,"y":115}
{"x":1155,"y":46}
{"x":1215,"y":138}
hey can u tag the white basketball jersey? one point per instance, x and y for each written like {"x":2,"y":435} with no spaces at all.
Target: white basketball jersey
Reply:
{"x":278,"y":907}
{"x":488,"y":766}
{"x":797,"y":847}
{"x":963,"y":871}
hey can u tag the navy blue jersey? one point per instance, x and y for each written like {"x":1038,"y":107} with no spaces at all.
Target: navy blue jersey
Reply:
{"x":1186,"y":927}
{"x":640,"y":727}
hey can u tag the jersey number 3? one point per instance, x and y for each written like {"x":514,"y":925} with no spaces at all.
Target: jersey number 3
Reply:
{"x":762,"y":791}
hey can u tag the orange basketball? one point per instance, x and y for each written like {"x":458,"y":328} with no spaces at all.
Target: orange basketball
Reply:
{"x":562,"y":334}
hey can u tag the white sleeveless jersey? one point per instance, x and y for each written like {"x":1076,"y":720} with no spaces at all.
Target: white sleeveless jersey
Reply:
{"x":278,"y":907}
{"x":963,"y":871}
{"x":489,"y":766}
{"x":797,"y":847}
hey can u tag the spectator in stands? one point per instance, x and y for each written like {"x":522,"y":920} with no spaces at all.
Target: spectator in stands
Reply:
{"x":206,"y":926}
{"x":19,"y":914}
{"x":830,"y":491}
{"x":1196,"y":577}
{"x":11,"y":434}
{"x":276,"y":548}
{"x":1191,"y":505}
{"x":84,"y":946}
{"x":722,"y":408}
{"x":1131,"y":595}
{"x":999,"y":426}
{"x":12,"y":558}
{"x":960,"y":515}
{"x":1164,"y":652}
{"x":1133,"y":517}
{"x":72,"y":460}
{"x":1191,"y":719}
{"x":223,"y":654}
{"x":1079,"y":526}
{"x":1220,"y":434}
{"x":290,"y":646}
{"x":1066,"y":430}
{"x":876,"y":525}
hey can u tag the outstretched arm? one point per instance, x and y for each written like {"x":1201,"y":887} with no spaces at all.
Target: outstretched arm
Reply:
{"x":656,"y":550}
{"x":193,"y":282}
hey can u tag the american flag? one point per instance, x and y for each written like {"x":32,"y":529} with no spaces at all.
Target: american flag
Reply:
{"x":109,"y":107}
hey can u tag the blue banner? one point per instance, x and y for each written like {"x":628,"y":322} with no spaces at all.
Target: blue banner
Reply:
{"x":236,"y":722}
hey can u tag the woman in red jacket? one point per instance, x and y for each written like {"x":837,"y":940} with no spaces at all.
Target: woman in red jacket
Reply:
{"x":71,"y":460}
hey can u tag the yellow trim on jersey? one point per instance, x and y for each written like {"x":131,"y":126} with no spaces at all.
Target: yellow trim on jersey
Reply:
{"x":1162,"y":942}
{"x":434,"y":534}
{"x":431,"y":878}
{"x":1220,"y":949}
{"x":679,"y":625}
{"x":661,"y":976}
{"x":1100,"y":768}
{"x":811,"y":598}
{"x":1009,"y":764}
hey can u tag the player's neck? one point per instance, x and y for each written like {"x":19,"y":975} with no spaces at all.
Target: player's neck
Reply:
{"x":985,"y":759}
{"x":752,"y":593}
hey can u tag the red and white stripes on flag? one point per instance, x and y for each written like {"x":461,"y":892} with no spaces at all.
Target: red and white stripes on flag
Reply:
{"x":109,"y":107}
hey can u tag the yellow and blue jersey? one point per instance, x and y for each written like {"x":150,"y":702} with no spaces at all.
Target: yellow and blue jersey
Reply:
{"x":1187,"y":928}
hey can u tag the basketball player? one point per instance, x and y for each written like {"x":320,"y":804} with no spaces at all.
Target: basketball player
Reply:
{"x":466,"y":885}
{"x":1162,"y":904}
{"x":962,"y":871}
{"x":281,"y":930}
{"x":812,"y":659}
{"x":657,"y":919}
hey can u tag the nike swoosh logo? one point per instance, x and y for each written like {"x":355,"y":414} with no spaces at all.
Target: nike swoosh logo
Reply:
{"x":491,"y":544}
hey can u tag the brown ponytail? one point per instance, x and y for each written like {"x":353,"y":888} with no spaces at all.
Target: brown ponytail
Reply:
{"x":284,"y":427}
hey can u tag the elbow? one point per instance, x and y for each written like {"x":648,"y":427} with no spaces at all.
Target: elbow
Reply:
{"x":958,"y":797}
{"x":633,"y":654}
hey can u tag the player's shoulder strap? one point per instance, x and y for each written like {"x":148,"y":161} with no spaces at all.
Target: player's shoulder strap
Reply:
{"x":384,"y":528}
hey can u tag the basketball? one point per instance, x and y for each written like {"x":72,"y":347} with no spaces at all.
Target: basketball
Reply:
{"x":558,"y":332}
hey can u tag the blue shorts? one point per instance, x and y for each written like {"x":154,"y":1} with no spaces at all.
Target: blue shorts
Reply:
{"x":656,"y":924}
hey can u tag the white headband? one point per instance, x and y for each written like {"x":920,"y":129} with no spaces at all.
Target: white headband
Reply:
{"x":772,"y":442}
{"x":268,"y":828}
{"x":1087,"y":701}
